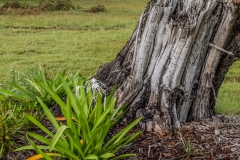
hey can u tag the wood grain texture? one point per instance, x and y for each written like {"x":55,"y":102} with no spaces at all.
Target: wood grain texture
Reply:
{"x":167,"y":72}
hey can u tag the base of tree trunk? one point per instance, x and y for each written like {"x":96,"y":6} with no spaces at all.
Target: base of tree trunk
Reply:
{"x":172,"y":67}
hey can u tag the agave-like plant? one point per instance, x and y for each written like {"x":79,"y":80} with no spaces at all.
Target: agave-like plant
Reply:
{"x":89,"y":116}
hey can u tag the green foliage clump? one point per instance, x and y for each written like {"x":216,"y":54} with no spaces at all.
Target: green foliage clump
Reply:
{"x":17,"y":5}
{"x":21,"y":79}
{"x":56,"y":5}
{"x":14,"y":4}
{"x":18,"y":97}
{"x":13,"y":123}
{"x":23,"y":86}
{"x":89,"y":116}
{"x":45,"y":5}
{"x":19,"y":8}
{"x":88,"y":112}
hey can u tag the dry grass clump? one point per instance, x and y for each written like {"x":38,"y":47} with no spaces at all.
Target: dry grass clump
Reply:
{"x":98,"y":8}
{"x":16,"y":7}
{"x":24,"y":8}
{"x":21,"y":8}
{"x":11,"y":5}
{"x":57,"y":5}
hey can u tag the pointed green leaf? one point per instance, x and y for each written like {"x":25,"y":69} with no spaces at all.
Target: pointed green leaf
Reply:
{"x":75,"y":141}
{"x":50,"y":117}
{"x":113,"y":146}
{"x":123,"y":156}
{"x":127,"y":129}
{"x":99,"y":132}
{"x":91,"y":156}
{"x":69,"y":113}
{"x":39,"y":138}
{"x":99,"y":106}
{"x":37,"y":123}
{"x":57,"y":99}
{"x":105,"y":131}
{"x":118,"y":110}
{"x":85,"y":128}
{"x":41,"y":75}
{"x":107,"y":155}
{"x":122,"y":133}
{"x":14,"y":95}
{"x":48,"y":114}
{"x":57,"y":136}
{"x":24,"y":93}
{"x":116,"y":119}
{"x":71,"y":96}
{"x":126,"y":142}
{"x":30,"y":147}
{"x":37,"y":88}
{"x":105,"y":113}
{"x":38,"y":150}
{"x":60,"y":147}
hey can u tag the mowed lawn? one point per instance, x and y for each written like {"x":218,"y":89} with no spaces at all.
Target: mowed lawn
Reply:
{"x":72,"y":40}
{"x":83,"y":41}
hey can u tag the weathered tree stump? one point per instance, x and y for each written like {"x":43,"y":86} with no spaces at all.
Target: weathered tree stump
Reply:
{"x":172,"y":67}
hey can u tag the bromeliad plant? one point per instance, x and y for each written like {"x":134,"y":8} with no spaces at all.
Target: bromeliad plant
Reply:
{"x":89,"y":117}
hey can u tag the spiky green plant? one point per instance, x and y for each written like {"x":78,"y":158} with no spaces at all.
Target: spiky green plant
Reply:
{"x":89,"y":116}
{"x":24,"y":86}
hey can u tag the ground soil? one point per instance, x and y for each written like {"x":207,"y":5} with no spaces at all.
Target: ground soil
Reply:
{"x":210,"y":139}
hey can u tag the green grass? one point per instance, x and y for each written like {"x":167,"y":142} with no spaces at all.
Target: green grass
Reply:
{"x":83,"y":41}
{"x":233,"y":74}
{"x":73,"y":40}
{"x":228,"y":101}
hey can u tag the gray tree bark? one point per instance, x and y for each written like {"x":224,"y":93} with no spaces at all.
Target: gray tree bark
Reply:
{"x":172,"y":67}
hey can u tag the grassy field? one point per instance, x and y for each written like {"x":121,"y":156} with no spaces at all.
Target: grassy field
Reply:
{"x":228,"y":100}
{"x":83,"y":41}
{"x":73,"y":40}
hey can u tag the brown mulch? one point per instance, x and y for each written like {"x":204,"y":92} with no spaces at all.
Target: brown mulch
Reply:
{"x":211,"y":139}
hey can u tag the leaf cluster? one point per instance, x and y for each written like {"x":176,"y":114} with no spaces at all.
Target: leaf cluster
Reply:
{"x":18,"y":97}
{"x":13,"y":124}
{"x":56,"y":5}
{"x":89,"y":116}
{"x":24,"y":87}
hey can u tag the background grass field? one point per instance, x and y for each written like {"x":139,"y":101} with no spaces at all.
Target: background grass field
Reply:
{"x":83,"y":41}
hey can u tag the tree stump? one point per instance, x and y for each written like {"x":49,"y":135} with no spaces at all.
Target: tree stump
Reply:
{"x":172,"y":67}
